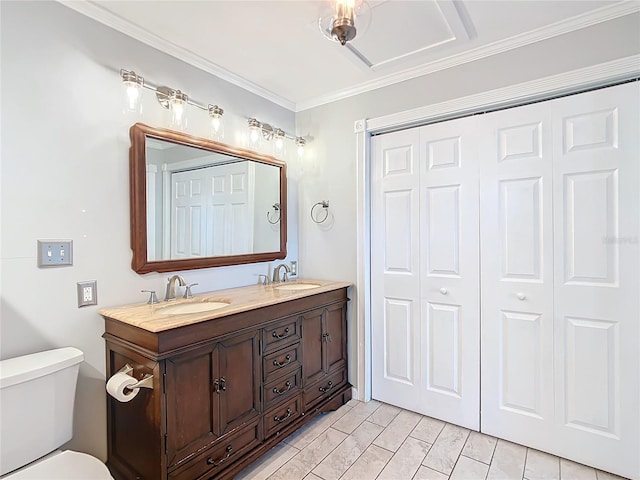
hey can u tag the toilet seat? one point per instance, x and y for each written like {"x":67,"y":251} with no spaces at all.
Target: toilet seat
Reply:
{"x":64,"y":465}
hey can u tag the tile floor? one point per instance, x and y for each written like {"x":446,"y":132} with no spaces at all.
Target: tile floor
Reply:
{"x":367,"y":441}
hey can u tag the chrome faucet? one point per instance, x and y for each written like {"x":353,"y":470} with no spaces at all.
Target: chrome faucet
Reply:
{"x":276,"y":273}
{"x":171,"y":287}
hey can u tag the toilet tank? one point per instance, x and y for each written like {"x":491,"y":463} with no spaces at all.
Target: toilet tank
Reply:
{"x":37,"y":394}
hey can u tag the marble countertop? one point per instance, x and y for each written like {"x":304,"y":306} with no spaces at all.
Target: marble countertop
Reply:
{"x":240,"y":299}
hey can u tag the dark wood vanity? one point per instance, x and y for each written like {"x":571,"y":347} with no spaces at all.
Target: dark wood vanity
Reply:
{"x":225,"y":389}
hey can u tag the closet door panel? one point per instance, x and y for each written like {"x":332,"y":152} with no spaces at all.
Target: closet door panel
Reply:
{"x":596,"y":306}
{"x":395,"y":267}
{"x":516,"y":279}
{"x":449,"y":267}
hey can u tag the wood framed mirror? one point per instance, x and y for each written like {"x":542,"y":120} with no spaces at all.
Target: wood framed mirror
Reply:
{"x":196,"y":203}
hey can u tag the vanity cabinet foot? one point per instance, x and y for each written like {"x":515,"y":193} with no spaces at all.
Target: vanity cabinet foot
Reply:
{"x":225,"y":390}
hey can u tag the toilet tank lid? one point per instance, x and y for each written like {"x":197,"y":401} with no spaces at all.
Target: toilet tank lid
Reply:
{"x":28,"y":367}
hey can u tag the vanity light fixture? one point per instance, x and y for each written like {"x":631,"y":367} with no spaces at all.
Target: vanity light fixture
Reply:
{"x":300,"y":143}
{"x":259,"y":131}
{"x":340,"y":25}
{"x":174,"y":100}
{"x":133,"y":84}
{"x":217,"y":126}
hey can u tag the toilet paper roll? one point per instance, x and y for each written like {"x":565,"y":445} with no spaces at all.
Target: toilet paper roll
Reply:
{"x":117,"y":387}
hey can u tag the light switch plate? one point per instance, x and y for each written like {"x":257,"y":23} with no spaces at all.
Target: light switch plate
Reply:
{"x":55,"y":253}
{"x":87,"y":293}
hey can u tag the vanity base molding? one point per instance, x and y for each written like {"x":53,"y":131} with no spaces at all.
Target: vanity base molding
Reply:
{"x":224,"y":396}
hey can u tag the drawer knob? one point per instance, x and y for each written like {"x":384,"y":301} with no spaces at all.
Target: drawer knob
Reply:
{"x":327,"y":388}
{"x":280,"y":420}
{"x":521,"y":296}
{"x":280,"y":392}
{"x":287,"y":361}
{"x":284,"y":335}
{"x":215,"y":463}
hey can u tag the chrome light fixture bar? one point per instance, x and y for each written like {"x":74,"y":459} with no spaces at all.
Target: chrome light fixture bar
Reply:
{"x":169,"y":98}
{"x":259,"y":131}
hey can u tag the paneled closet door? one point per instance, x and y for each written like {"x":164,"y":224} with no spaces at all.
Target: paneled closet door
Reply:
{"x":424,"y":271}
{"x":395,"y":269}
{"x":597,"y":280}
{"x":517,"y":274}
{"x":449,"y":293}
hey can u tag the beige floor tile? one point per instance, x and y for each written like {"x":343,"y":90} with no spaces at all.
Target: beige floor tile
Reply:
{"x":268,"y":463}
{"x":508,"y":461}
{"x":575,"y":471}
{"x":314,"y":429}
{"x":305,"y":461}
{"x":541,"y":466}
{"x":384,"y":415}
{"x":399,"y":429}
{"x":428,"y":429}
{"x":469,"y":469}
{"x":425,"y":473}
{"x":369,"y":465}
{"x":353,"y":402}
{"x":406,"y":461}
{"x":444,"y":453}
{"x":480,"y":447}
{"x":356,"y":416}
{"x":345,"y":454}
{"x":311,"y":476}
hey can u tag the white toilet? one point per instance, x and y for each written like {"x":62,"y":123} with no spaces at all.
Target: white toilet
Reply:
{"x":37,"y":394}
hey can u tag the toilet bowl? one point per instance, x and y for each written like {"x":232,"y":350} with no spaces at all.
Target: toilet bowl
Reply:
{"x":37,"y":394}
{"x":63,"y":465}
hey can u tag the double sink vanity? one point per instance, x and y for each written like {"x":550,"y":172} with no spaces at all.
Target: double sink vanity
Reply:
{"x":234,"y":372}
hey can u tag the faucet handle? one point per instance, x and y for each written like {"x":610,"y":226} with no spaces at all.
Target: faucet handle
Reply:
{"x":263,"y":279}
{"x":152,"y":296}
{"x":187,"y":291}
{"x":286,"y":276}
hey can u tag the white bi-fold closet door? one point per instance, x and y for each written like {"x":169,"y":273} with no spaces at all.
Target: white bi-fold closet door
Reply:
{"x":424,"y":263}
{"x":558,"y":328}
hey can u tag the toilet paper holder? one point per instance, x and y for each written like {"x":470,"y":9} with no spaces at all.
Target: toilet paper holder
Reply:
{"x":145,"y":382}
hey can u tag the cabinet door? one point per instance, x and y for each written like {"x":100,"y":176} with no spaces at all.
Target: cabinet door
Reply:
{"x":312,"y":346}
{"x":335,"y":338}
{"x":192,"y":405}
{"x":239,"y":381}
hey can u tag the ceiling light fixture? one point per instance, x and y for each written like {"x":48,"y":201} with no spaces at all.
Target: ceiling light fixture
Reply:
{"x":340,"y":24}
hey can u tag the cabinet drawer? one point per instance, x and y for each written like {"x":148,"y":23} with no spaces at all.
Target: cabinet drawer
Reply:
{"x":324,"y":387}
{"x":280,"y":334}
{"x":281,"y":362}
{"x":279,"y":417}
{"x":281,"y":389}
{"x":220,"y":455}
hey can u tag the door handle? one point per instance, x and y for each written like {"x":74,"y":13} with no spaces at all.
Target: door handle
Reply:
{"x":444,"y":291}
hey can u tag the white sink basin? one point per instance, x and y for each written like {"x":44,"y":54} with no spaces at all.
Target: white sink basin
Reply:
{"x":196,"y":307}
{"x":296,"y":286}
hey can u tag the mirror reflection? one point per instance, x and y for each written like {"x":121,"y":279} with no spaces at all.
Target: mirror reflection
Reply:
{"x":196,"y":203}
{"x":204,"y":204}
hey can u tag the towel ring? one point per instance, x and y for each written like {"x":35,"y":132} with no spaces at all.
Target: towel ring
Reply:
{"x":276,"y":208}
{"x":324,"y":204}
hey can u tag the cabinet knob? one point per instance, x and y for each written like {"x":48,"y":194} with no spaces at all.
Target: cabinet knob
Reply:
{"x":521,"y":296}
{"x":444,"y":291}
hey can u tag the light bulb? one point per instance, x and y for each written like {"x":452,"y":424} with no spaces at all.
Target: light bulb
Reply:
{"x":300,"y":143}
{"x":217,"y":125}
{"x":177,"y":104}
{"x":278,"y":143}
{"x":255,"y":134}
{"x":132,"y":101}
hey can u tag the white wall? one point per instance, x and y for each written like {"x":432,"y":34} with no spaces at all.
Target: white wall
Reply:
{"x":330,"y":171}
{"x":65,"y":175}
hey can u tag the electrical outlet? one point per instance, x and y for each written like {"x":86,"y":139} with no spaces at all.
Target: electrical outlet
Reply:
{"x":87,"y":293}
{"x":294,"y":268}
{"x":55,"y":253}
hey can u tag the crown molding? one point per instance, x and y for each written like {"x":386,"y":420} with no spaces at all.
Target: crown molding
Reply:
{"x":559,"y":28}
{"x":96,"y":12}
{"x":600,"y":75}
